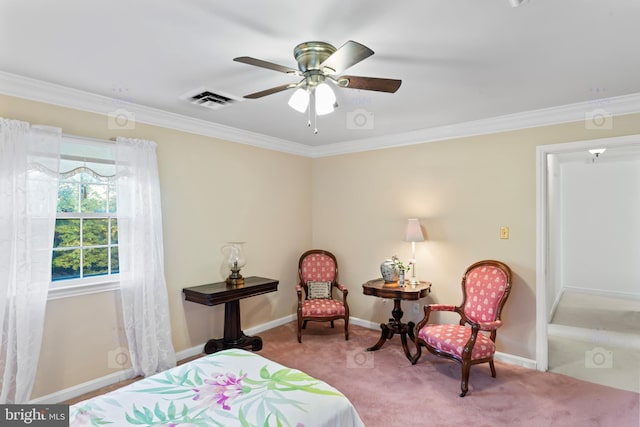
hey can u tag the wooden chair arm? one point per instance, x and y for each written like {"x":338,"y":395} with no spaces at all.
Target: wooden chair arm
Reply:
{"x":435,"y":307}
{"x":342,"y":289}
{"x":490,"y":326}
{"x":468,"y":347}
{"x":442,"y":307}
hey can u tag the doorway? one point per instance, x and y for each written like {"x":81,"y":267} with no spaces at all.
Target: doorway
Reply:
{"x":587,"y":281}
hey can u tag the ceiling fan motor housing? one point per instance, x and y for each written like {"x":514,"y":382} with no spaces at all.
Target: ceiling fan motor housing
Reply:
{"x":310,"y":55}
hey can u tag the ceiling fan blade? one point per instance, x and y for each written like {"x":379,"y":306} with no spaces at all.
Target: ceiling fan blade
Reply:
{"x":346,"y":56}
{"x":265,"y":64}
{"x":270,"y":91}
{"x":369,"y":83}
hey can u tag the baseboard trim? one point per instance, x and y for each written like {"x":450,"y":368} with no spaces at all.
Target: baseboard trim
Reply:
{"x":512,"y":359}
{"x":364,"y":323}
{"x":197,"y":349}
{"x":107,"y":380}
{"x":602,"y":292}
{"x":555,"y":304}
{"x":86,"y":387}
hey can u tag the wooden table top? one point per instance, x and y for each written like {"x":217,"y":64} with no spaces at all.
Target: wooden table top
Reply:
{"x":378,"y":288}
{"x":221,"y":292}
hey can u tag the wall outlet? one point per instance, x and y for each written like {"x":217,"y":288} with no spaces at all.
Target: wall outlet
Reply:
{"x":504,"y":232}
{"x":416,"y":308}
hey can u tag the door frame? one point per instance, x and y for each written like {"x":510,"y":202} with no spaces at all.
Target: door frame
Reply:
{"x":542,"y":227}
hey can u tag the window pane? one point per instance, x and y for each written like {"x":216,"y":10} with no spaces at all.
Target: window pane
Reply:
{"x":94,"y":198}
{"x":68,"y":197}
{"x":94,"y":231}
{"x":114,"y":231}
{"x":115,"y":264}
{"x":85,"y":239}
{"x":65,"y":264}
{"x":112,"y":199}
{"x":67,"y":233}
{"x":95,"y":262}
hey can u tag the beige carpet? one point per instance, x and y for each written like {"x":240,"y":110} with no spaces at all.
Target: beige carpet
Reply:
{"x":598,"y":312}
{"x":388,"y":391}
{"x":596,"y":339}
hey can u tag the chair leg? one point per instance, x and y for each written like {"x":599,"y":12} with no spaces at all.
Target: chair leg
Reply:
{"x":304,"y":325}
{"x":464,"y":386}
{"x":415,"y":357}
{"x":493,"y":369}
{"x":299,"y":330}
{"x":346,"y":329}
{"x":332,"y":323}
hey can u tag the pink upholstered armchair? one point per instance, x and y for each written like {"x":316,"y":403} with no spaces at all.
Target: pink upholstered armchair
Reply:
{"x":485,"y":288}
{"x":318,"y":277}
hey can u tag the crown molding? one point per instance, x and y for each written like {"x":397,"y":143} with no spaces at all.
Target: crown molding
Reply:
{"x":582,"y":111}
{"x":37,"y":90}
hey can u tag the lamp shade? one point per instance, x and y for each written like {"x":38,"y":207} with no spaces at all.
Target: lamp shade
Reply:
{"x":414,"y":231}
{"x":299,"y":101}
{"x":325,"y":99}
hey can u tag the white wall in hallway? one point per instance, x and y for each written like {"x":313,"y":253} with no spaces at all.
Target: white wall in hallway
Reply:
{"x":600,"y":224}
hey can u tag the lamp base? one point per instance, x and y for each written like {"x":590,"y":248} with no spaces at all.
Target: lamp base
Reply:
{"x":235,"y":279}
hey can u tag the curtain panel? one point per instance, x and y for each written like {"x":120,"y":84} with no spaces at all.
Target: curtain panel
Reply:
{"x":143,"y":286}
{"x":29,"y":162}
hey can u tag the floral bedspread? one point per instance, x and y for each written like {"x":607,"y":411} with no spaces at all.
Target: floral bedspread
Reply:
{"x":227,"y":388}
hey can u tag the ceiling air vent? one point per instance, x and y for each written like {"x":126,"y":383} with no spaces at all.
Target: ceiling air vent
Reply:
{"x":209,"y":99}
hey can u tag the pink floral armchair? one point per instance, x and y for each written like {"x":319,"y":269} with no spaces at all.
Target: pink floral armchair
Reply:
{"x":318,"y":277}
{"x":485,"y":288}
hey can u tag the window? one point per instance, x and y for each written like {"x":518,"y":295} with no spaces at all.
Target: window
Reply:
{"x":85,"y":242}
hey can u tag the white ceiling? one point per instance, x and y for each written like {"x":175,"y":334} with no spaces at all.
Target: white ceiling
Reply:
{"x":460,"y":61}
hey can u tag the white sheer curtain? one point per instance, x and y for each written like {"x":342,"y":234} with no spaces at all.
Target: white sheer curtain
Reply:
{"x":141,"y":255}
{"x":29,"y":159}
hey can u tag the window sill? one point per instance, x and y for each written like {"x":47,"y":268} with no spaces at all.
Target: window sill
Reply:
{"x":82,"y":289}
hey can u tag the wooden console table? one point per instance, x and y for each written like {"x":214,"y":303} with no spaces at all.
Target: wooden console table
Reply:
{"x":218,"y":293}
{"x":380,"y":289}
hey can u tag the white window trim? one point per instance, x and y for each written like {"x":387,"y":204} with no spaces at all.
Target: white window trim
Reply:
{"x":90,"y":285}
{"x":84,"y":287}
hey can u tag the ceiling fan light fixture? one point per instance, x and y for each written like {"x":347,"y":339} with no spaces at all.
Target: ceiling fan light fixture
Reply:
{"x":325,"y":99}
{"x":299,"y":101}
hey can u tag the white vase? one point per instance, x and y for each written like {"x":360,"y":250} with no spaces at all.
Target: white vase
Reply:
{"x":389,"y":272}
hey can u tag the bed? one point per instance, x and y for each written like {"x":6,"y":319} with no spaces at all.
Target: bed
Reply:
{"x":228,"y":388}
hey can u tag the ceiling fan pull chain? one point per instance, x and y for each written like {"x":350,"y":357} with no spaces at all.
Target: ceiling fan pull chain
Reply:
{"x":312,"y":104}
{"x":309,"y":115}
{"x":315,"y":120}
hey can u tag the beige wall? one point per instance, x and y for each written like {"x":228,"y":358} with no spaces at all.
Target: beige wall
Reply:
{"x":212,"y":192}
{"x":462,"y":191}
{"x":355,"y":205}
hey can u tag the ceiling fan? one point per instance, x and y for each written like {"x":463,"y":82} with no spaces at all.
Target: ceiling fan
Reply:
{"x":318,"y":63}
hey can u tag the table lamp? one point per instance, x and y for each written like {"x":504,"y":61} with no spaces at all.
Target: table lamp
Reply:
{"x":413,"y":235}
{"x":235,"y":261}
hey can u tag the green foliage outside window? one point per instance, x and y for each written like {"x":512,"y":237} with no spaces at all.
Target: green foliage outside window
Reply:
{"x":86,"y":232}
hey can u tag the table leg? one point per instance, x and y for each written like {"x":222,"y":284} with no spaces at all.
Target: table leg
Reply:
{"x":233,"y":335}
{"x":395,"y":326}
{"x":387,"y":334}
